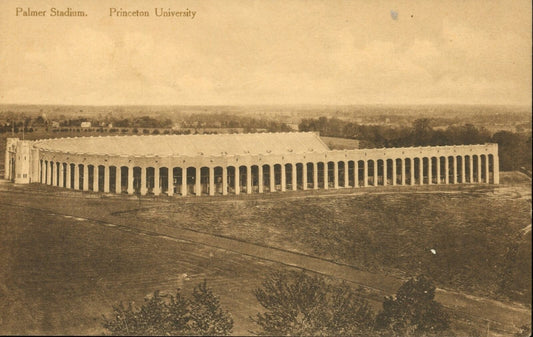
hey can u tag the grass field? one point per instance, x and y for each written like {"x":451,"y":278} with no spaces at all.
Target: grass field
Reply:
{"x":478,"y":238}
{"x":59,"y":273}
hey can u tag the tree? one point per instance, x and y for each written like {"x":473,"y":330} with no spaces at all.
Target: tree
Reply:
{"x":413,"y":312}
{"x":176,"y":315}
{"x":299,"y":304}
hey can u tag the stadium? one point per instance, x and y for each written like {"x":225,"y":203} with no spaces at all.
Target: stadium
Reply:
{"x":225,"y":164}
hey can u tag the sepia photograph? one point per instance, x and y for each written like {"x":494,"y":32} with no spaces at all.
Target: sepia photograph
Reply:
{"x":279,"y":168}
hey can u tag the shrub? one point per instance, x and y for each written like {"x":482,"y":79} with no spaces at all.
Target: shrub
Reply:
{"x":177,"y":315}
{"x":299,"y":304}
{"x":413,"y":312}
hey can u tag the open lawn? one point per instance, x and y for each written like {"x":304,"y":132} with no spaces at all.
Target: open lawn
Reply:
{"x":66,"y":257}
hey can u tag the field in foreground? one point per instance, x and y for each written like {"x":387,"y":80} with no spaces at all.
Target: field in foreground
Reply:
{"x":475,"y":241}
{"x":60,"y":272}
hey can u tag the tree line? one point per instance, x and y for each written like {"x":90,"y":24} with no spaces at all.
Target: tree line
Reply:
{"x":294,"y":303}
{"x":514,"y":148}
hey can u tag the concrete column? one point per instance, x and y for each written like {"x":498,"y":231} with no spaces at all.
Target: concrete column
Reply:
{"x":412,"y":170}
{"x":48,"y":174}
{"x":471,"y":171}
{"x":157,"y":185}
{"x":463,"y":167}
{"x":402,"y":178}
{"x":356,"y":173}
{"x":454,"y":180}
{"x":95,"y":178}
{"x":496,"y":168}
{"x":248,"y":179}
{"x":365,"y":173}
{"x":375,"y":173}
{"x":41,"y":172}
{"x":61,"y":181}
{"x":304,"y":176}
{"x":294,"y":177}
{"x":85,"y":177}
{"x":76,"y":177}
{"x":272,"y":179}
{"x":479,"y":169}
{"x":118,"y":180}
{"x":211,"y":181}
{"x":385,"y":172}
{"x":346,"y":175}
{"x":54,"y":178}
{"x":315,"y":176}
{"x":283,"y":178}
{"x":224,"y":180}
{"x":184,"y":181}
{"x":68,"y":177}
{"x":335,"y":175}
{"x":438,"y":170}
{"x":130,"y":180}
{"x":198,"y":182}
{"x":447,"y":171}
{"x":106,"y":179}
{"x":421,"y":171}
{"x":487,"y":179}
{"x":237,"y":181}
{"x":143,"y":181}
{"x":326,"y":179}
{"x":260,"y":178}
{"x":170,"y":181}
{"x":430,"y":174}
{"x":394,"y":172}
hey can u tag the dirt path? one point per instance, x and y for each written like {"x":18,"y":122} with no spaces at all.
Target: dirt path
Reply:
{"x":503,"y":318}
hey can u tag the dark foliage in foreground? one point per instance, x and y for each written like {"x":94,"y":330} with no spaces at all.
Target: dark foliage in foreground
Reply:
{"x":413,"y":311}
{"x":176,"y":315}
{"x":300,"y":304}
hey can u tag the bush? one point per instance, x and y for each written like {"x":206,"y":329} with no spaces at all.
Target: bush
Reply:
{"x":200,"y":315}
{"x":299,"y":304}
{"x":413,"y":312}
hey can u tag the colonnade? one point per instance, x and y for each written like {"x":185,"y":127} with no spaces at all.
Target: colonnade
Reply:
{"x":270,"y":177}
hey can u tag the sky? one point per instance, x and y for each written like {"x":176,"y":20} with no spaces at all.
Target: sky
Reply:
{"x":268,"y":52}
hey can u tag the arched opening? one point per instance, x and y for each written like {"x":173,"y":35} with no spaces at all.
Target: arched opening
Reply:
{"x":288,"y":176}
{"x":101,"y":177}
{"x":90,"y":177}
{"x":351,"y":174}
{"x":320,"y":171}
{"x":389,"y":176}
{"x":467,"y":169}
{"x":451,"y":170}
{"x":177,"y":180}
{"x":266,"y":178}
{"x":277,"y":177}
{"x":400,"y":172}
{"x":434,"y":172}
{"x":459,"y":173}
{"x":204,"y":180}
{"x":490,"y":178}
{"x":476,"y":168}
{"x":417,"y":165}
{"x":231,"y":179}
{"x":442,"y":173}
{"x":484,"y":168}
{"x":72,"y":176}
{"x":123,"y":185}
{"x":137,"y":179}
{"x":218,"y":179}
{"x":331,"y":174}
{"x":112,"y":178}
{"x":341,"y":166}
{"x":163,"y":179}
{"x":190,"y":180}
{"x":425,"y":170}
{"x":310,"y":175}
{"x":299,"y":176}
{"x":81,"y":175}
{"x":381,"y":172}
{"x":372,"y":172}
